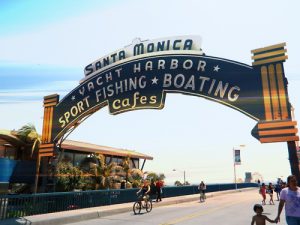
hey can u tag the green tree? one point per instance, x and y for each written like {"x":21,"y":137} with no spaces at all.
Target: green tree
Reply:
{"x":68,"y":177}
{"x":136,"y":176}
{"x":154,"y":176}
{"x":106,"y":175}
{"x":29,"y":135}
{"x":187,"y":183}
{"x":132,"y":175}
{"x":177,"y":183}
{"x":161,"y":176}
{"x":126,"y":167}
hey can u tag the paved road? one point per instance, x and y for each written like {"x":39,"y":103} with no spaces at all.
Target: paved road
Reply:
{"x":234,"y":209}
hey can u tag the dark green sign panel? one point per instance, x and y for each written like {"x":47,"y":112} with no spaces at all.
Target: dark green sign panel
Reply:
{"x":143,"y":82}
{"x":140,"y":76}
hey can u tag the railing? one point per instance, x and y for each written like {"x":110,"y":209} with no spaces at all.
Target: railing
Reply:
{"x":13,"y":206}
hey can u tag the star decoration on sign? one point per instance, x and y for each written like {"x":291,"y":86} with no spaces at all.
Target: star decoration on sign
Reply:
{"x":154,"y":80}
{"x":216,"y":68}
{"x":73,"y":97}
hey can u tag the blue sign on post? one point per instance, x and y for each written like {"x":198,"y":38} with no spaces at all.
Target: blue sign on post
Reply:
{"x":237,"y":157}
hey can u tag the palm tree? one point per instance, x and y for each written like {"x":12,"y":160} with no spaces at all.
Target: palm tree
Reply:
{"x":69,"y":177}
{"x":178,"y":183}
{"x":29,"y":135}
{"x":106,"y":174}
{"x":154,"y":176}
{"x":161,"y":176}
{"x":135,"y":177}
{"x":126,"y":167}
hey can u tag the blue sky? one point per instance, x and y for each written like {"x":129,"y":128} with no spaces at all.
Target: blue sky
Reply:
{"x":45,"y":45}
{"x":22,"y":16}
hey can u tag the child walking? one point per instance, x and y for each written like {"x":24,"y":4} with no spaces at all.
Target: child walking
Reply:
{"x":262,"y":191}
{"x":270,"y":192}
{"x":260,"y":219}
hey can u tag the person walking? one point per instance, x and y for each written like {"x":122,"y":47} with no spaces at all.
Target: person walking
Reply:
{"x":290,"y":197}
{"x":153,"y":190}
{"x":270,"y":192}
{"x":202,"y":189}
{"x":262,"y":191}
{"x":277,"y":189}
{"x":260,"y":219}
{"x":159,"y":185}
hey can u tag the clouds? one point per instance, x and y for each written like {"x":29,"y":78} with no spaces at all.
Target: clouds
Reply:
{"x":25,"y":82}
{"x":34,"y":94}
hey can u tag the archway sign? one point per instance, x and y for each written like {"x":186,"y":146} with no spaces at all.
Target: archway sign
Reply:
{"x":140,"y":75}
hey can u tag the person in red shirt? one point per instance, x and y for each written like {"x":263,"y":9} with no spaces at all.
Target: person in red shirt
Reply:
{"x":263,"y":193}
{"x":159,"y":185}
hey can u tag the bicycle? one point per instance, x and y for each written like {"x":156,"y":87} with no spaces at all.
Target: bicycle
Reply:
{"x":142,"y":202}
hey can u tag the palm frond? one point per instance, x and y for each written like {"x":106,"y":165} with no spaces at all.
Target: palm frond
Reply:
{"x":25,"y":130}
{"x":35,"y":146}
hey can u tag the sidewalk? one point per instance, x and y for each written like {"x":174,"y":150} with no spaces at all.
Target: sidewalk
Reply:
{"x":73,"y":216}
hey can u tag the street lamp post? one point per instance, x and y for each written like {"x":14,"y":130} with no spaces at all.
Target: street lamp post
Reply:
{"x":236,"y":161}
{"x":234,"y":173}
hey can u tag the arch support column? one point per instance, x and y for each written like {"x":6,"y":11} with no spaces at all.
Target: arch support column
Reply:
{"x":47,"y":146}
{"x":278,"y":125}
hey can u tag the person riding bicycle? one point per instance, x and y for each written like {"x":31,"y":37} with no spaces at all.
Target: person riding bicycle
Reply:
{"x":144,"y":191}
{"x":144,"y":201}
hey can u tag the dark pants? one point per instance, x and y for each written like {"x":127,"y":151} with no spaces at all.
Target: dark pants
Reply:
{"x":292,"y":220}
{"x":158,"y":194}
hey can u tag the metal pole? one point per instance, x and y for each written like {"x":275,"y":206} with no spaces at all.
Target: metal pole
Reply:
{"x":234,"y":170}
{"x":37,"y":173}
{"x":293,"y":158}
{"x":235,"y":176}
{"x":184,"y":177}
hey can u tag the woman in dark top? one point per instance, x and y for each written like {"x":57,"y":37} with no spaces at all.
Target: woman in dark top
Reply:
{"x":270,"y":192}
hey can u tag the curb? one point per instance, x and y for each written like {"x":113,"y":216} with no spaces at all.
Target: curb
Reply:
{"x":65,"y":217}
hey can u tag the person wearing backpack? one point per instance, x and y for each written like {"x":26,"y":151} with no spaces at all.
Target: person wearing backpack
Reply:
{"x":202,"y":189}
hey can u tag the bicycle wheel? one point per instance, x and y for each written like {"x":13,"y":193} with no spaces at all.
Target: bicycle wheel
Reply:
{"x":149,"y":206}
{"x":137,"y":208}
